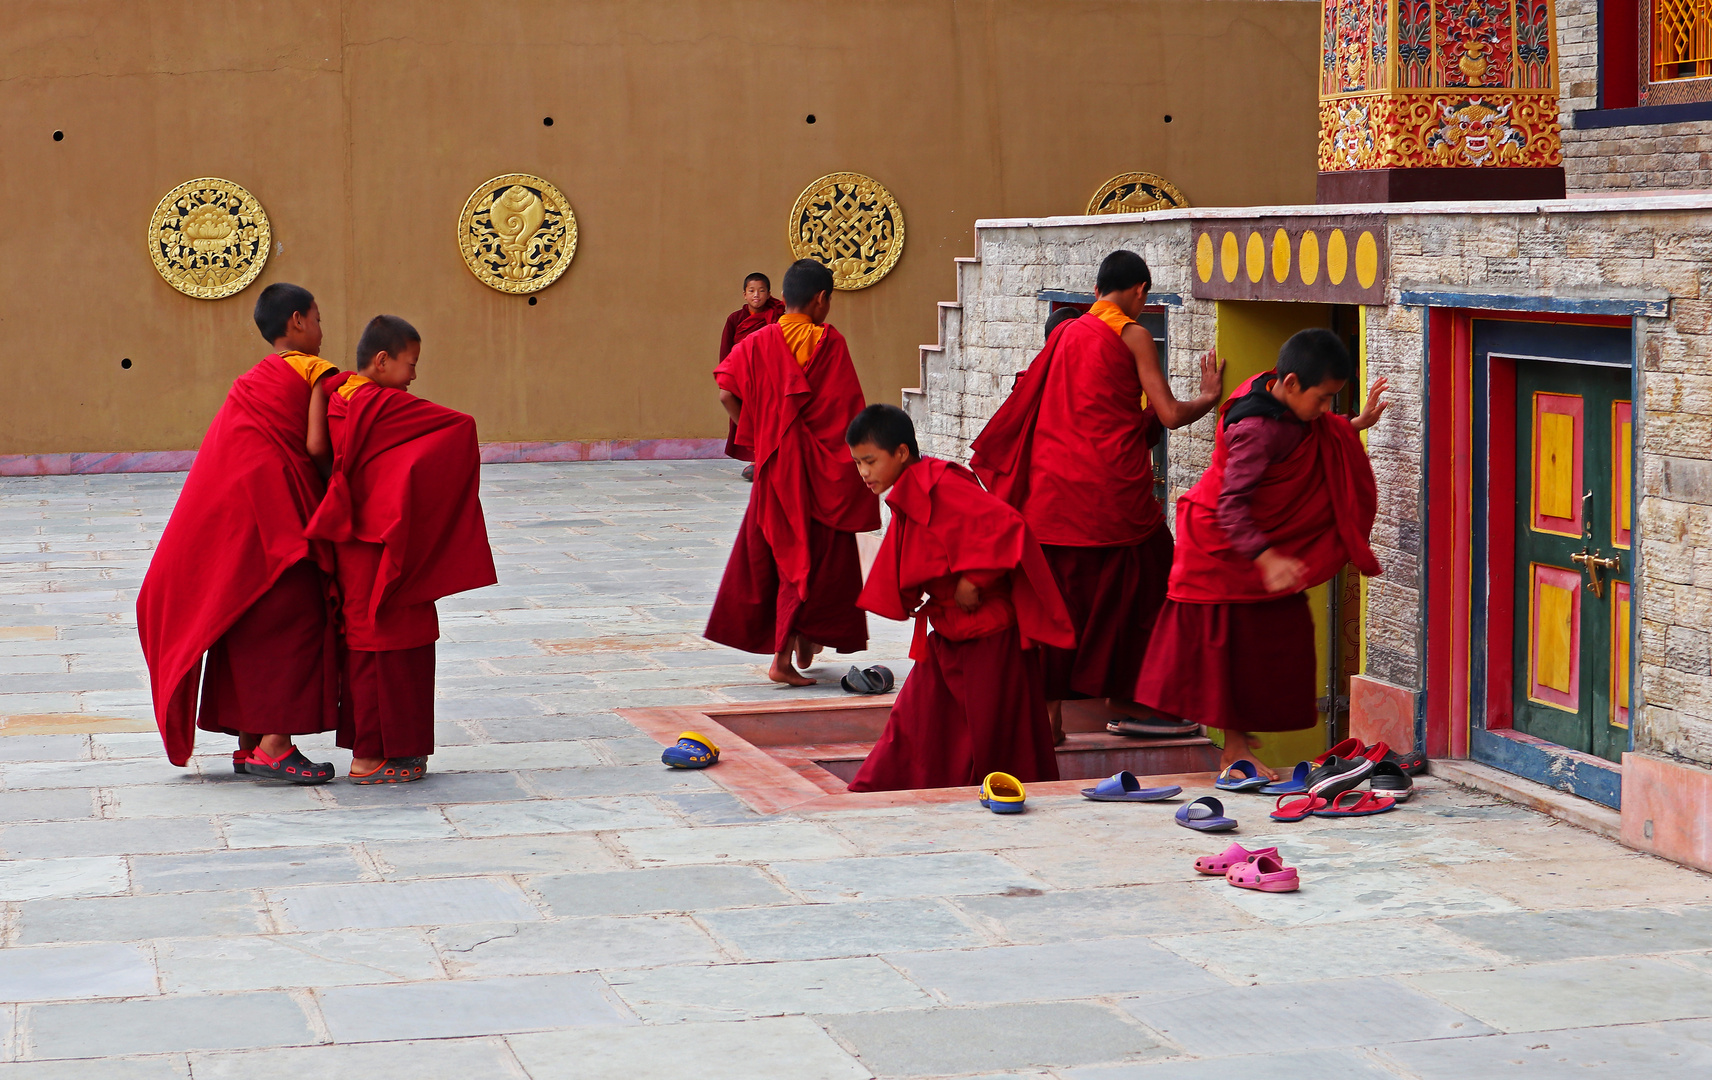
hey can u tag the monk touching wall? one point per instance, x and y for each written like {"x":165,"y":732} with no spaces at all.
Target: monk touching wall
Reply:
{"x":791,"y":583}
{"x":1070,"y":449}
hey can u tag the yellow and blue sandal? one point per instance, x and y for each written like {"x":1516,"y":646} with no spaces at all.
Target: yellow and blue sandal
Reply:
{"x":1002,"y":793}
{"x":692,"y":751}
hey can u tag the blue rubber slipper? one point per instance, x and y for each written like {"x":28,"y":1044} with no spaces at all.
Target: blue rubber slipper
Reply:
{"x":1297,"y":783}
{"x":1124,"y":787}
{"x":691,"y":751}
{"x":1002,"y":793}
{"x":1205,"y":814}
{"x":1241,"y":776}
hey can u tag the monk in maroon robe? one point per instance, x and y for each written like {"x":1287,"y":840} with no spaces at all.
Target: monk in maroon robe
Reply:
{"x":964,"y":562}
{"x":794,"y":574}
{"x":760,"y":308}
{"x":1070,"y":449}
{"x":233,"y":576}
{"x":1287,"y":501}
{"x":403,"y":518}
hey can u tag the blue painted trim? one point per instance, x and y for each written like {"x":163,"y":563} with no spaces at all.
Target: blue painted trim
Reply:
{"x":1587,"y":119}
{"x":1655,"y":309}
{"x":1059,"y":296}
{"x":1599,"y":781}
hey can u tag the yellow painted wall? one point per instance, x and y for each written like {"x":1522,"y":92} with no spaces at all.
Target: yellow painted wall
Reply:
{"x":679,"y":137}
{"x":1248,"y":337}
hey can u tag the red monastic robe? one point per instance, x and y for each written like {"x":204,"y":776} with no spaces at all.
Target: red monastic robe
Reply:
{"x":1226,"y":652}
{"x":738,"y":326}
{"x":230,"y":575}
{"x":1071,"y":448}
{"x":403,"y":516}
{"x":794,"y":567}
{"x":973,"y":703}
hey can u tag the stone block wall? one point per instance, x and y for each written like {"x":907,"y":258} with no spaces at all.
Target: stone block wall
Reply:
{"x":1657,"y":247}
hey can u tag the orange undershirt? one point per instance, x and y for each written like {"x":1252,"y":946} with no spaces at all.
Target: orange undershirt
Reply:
{"x":351,"y":385}
{"x":312,"y":368}
{"x":1110,"y":314}
{"x":802,"y":334}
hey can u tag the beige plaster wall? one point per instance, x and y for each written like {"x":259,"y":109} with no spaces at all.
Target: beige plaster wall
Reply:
{"x":679,"y":137}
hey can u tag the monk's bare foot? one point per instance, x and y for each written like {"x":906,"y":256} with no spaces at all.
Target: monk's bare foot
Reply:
{"x":1055,"y":711}
{"x":806,"y":650}
{"x":1243,"y":746}
{"x":275,"y":745}
{"x":783,"y":672}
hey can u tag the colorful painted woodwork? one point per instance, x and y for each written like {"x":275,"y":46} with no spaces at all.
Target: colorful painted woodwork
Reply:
{"x":1330,"y":260}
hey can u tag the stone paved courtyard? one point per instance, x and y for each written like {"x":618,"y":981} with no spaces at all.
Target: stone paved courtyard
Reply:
{"x":552,"y":903}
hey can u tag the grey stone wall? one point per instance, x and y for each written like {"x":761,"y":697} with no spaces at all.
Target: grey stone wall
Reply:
{"x":1658,"y":247}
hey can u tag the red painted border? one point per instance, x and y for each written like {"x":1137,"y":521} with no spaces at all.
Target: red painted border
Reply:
{"x":1442,"y":336}
{"x":1501,"y":544}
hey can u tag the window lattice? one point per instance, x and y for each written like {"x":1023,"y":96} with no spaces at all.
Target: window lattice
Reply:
{"x":1681,"y":39}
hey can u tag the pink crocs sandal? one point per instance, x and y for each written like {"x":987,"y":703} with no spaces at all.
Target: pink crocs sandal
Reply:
{"x":1264,"y":873}
{"x":1236,"y":853}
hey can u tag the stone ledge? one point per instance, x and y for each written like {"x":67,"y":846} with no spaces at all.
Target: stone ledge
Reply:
{"x":1565,"y":807}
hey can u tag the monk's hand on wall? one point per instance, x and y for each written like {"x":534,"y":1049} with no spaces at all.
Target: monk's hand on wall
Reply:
{"x":1376,"y":406}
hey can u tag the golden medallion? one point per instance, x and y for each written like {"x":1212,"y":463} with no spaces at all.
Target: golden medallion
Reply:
{"x":1136,"y":193}
{"x":517,"y":233}
{"x":851,"y":223}
{"x":209,"y":238}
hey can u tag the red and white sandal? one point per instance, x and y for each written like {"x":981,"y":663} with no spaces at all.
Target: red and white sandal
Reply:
{"x":1264,"y":873}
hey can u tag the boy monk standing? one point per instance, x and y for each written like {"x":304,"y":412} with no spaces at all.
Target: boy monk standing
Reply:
{"x":760,"y":308}
{"x":794,"y":574}
{"x":404,"y":519}
{"x":1288,"y":499}
{"x":1070,"y":449}
{"x":233,"y":575}
{"x":965,"y":562}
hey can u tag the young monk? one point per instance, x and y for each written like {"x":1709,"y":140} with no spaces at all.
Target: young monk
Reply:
{"x":794,"y":574}
{"x":964,"y":562}
{"x":234,"y":577}
{"x":760,"y":308}
{"x":404,"y":519}
{"x":1288,"y":499}
{"x":1070,"y":449}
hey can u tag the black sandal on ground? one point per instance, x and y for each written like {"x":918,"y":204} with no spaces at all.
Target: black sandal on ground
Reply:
{"x":401,"y":770}
{"x":292,"y":767}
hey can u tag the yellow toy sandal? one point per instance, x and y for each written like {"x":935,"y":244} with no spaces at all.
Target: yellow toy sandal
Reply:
{"x":693,"y":750}
{"x":1002,"y":793}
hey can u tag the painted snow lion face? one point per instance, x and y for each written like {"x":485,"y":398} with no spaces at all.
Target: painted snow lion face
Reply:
{"x":1475,"y":133}
{"x":1353,"y":141}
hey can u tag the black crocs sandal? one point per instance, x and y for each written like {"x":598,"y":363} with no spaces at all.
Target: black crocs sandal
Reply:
{"x":293,"y":768}
{"x":1389,"y":779}
{"x":874,"y":680}
{"x":398,"y":770}
{"x":1412,"y":764}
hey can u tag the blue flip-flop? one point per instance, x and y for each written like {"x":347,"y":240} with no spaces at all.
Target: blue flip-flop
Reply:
{"x":693,"y":750}
{"x":1124,"y":787}
{"x":1205,"y":814}
{"x":1241,"y":776}
{"x":1297,"y":783}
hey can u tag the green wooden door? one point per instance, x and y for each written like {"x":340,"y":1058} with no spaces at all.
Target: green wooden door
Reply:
{"x":1574,"y":562}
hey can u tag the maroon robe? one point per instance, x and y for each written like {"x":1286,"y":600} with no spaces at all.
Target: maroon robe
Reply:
{"x":973,"y":704}
{"x":1071,"y":449}
{"x":1225,"y":652}
{"x":794,"y":567}
{"x":738,"y":326}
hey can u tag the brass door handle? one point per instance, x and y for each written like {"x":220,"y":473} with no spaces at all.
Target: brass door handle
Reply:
{"x":1591,"y":565}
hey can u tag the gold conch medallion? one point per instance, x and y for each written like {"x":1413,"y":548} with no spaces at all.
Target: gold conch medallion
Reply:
{"x":209,"y":238}
{"x":517,"y":233}
{"x":851,"y":223}
{"x":1136,"y":193}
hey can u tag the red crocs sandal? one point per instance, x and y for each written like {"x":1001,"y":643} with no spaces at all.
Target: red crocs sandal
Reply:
{"x":1236,"y":853}
{"x":1264,"y":873}
{"x":1356,"y":804}
{"x":1298,"y":808}
{"x":400,"y":770}
{"x":291,"y":766}
{"x":240,"y":758}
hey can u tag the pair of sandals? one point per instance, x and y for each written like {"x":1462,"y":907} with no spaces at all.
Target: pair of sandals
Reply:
{"x":1262,"y":870}
{"x":873,"y":680}
{"x":294,"y":768}
{"x":1344,"y":804}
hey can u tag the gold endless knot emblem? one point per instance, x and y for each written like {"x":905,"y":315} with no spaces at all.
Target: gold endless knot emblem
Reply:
{"x":1136,"y":193}
{"x":517,"y":233}
{"x":209,"y":238}
{"x":851,"y":223}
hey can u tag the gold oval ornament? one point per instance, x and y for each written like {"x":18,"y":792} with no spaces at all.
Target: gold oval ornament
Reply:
{"x":1136,"y":193}
{"x":517,"y":233}
{"x":850,"y":223}
{"x":209,"y":238}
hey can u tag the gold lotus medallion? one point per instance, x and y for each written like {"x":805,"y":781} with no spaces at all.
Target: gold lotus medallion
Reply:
{"x":851,"y":223}
{"x":209,"y":238}
{"x":1136,"y":193}
{"x":517,"y":233}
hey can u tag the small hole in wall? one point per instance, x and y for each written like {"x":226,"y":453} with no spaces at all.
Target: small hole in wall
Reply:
{"x":546,"y":121}
{"x":811,"y":118}
{"x":1167,"y":118}
{"x":125,"y":363}
{"x":59,"y":136}
{"x":533,"y":301}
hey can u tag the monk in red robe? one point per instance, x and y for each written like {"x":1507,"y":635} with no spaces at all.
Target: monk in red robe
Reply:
{"x":794,"y":574}
{"x":404,"y":520}
{"x":964,"y":562}
{"x":1070,"y":448}
{"x":234,"y":576}
{"x":760,"y":308}
{"x":1287,"y":501}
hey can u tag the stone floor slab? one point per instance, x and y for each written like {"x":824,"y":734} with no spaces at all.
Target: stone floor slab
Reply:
{"x":1048,"y":972}
{"x":712,"y":808}
{"x":378,"y":905}
{"x":1303,"y":1016}
{"x":1679,"y":1051}
{"x":936,"y":1041}
{"x":1332,"y":951}
{"x":164,"y":1025}
{"x":1578,"y":993}
{"x":435,"y":788}
{"x":149,"y":1068}
{"x":1642,"y":880}
{"x":786,"y":1048}
{"x":820,"y":931}
{"x":247,"y":869}
{"x":60,"y":838}
{"x":49,"y":804}
{"x":559,"y":815}
{"x":38,"y":879}
{"x":1564,"y":935}
{"x":579,"y":852}
{"x":900,"y":877}
{"x":509,"y":757}
{"x":1352,"y":895}
{"x":137,"y":918}
{"x":440,"y":1010}
{"x":666,"y":888}
{"x":75,"y":971}
{"x":734,"y":843}
{"x":336,"y":827}
{"x":672,"y":995}
{"x":1095,"y":914}
{"x":282,"y":961}
{"x":210,"y":798}
{"x":568,"y":945}
{"x":437,"y":1059}
{"x":1318,"y":1064}
{"x":616,"y":780}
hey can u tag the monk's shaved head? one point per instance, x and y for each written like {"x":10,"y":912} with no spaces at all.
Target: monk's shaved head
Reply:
{"x":805,"y":280}
{"x":885,"y":426}
{"x":277,"y":304}
{"x":1122,"y":270}
{"x":384,"y":334}
{"x":1314,"y":356}
{"x":1059,"y":318}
